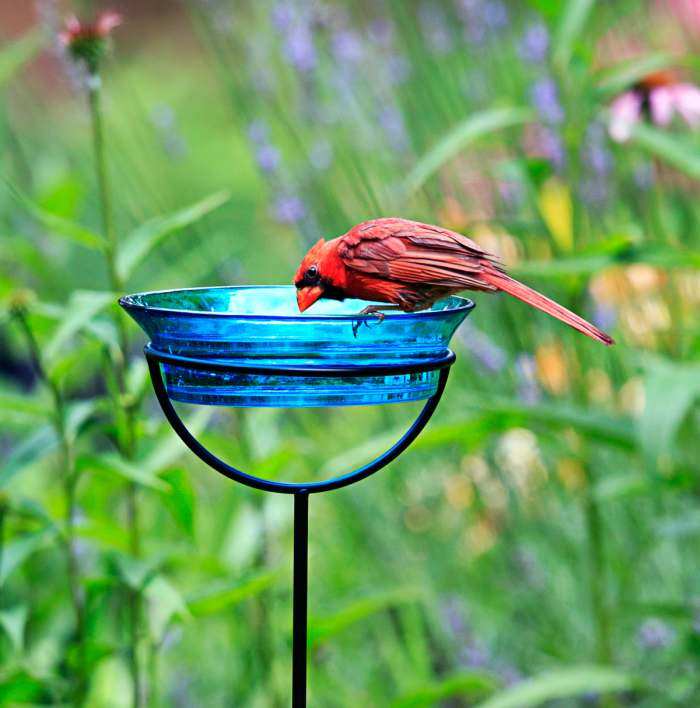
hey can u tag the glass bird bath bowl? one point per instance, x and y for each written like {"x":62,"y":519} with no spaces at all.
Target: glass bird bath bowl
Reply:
{"x":249,"y":346}
{"x":261,"y":327}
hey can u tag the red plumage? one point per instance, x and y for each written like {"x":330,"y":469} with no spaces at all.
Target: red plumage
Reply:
{"x":411,"y":265}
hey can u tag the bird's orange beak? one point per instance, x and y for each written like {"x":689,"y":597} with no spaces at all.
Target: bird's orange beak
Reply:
{"x":307,"y":296}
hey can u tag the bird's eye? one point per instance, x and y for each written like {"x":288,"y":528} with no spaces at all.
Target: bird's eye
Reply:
{"x":312,"y":272}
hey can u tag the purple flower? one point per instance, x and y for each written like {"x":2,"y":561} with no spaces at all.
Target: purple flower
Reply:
{"x":268,"y":158}
{"x":544,"y":95}
{"x":381,"y":32}
{"x":474,"y":655}
{"x":655,"y":634}
{"x":604,"y":316}
{"x":392,"y":123}
{"x":534,"y":43}
{"x":299,"y":48}
{"x":258,"y":132}
{"x":481,"y":18}
{"x":453,"y":617}
{"x":494,"y":14}
{"x":164,"y":119}
{"x":526,"y":371}
{"x":289,"y":209}
{"x":552,"y":147}
{"x":435,"y":29}
{"x":282,"y":16}
{"x":398,"y":69}
{"x":598,"y":162}
{"x":595,"y":150}
{"x":347,"y":46}
{"x":511,"y":192}
{"x":485,"y":351}
{"x":321,"y":155}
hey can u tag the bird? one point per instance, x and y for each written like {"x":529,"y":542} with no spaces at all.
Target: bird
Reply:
{"x":408,"y":266}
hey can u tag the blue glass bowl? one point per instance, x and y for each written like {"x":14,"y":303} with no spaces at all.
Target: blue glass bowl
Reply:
{"x":261,"y":325}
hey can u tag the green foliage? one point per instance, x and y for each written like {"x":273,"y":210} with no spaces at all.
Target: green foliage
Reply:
{"x":565,"y":683}
{"x":537,"y":545}
{"x":460,"y":139}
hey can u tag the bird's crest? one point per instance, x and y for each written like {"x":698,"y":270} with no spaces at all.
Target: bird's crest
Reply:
{"x":311,"y":258}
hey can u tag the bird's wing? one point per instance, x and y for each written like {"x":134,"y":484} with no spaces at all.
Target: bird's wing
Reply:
{"x":411,"y":252}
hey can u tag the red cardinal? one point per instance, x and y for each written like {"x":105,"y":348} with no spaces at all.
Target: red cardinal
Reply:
{"x":411,"y":265}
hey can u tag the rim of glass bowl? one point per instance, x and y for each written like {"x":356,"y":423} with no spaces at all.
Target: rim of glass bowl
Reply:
{"x":127,"y":302}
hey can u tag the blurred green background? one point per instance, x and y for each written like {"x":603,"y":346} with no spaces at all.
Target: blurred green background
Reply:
{"x":539,"y":544}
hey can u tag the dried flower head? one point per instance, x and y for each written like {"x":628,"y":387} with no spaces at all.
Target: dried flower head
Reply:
{"x":88,"y":42}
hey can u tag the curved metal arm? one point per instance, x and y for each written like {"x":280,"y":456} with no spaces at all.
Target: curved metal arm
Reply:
{"x":154,"y":360}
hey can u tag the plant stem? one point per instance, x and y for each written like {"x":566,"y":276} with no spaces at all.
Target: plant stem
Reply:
{"x":126,"y":428}
{"x":70,"y":482}
{"x":599,"y":602}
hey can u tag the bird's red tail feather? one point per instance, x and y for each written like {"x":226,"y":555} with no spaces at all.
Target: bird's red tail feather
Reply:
{"x":532,"y":297}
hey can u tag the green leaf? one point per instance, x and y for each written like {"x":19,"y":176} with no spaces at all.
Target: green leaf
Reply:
{"x":21,"y":688}
{"x":562,"y":267}
{"x":679,"y":527}
{"x":113,"y":464}
{"x":467,"y":132}
{"x":18,"y":408}
{"x":323,"y":628}
{"x":165,"y":603}
{"x":81,"y":308}
{"x":678,"y":151}
{"x":78,"y":412}
{"x":561,"y":683}
{"x":570,"y":27}
{"x":13,"y":620}
{"x":37,"y":445}
{"x":57,"y":224}
{"x":614,"y":430}
{"x":13,"y":57}
{"x":670,"y":389}
{"x":627,"y":73}
{"x":145,"y":237}
{"x":135,"y":573}
{"x":170,"y":447}
{"x":471,"y":684}
{"x":19,"y":549}
{"x":213,"y":600}
{"x":180,"y":499}
{"x":621,"y":486}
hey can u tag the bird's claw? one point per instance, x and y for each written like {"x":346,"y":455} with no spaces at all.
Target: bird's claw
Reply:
{"x":367,"y":311}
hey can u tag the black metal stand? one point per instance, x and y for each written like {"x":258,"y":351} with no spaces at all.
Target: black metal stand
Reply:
{"x":301,"y":491}
{"x":300,"y":598}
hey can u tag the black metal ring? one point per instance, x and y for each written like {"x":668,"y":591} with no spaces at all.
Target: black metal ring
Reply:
{"x":155,"y":358}
{"x":312,"y":370}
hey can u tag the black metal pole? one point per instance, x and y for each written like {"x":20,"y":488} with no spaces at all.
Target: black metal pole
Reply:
{"x":300,"y":598}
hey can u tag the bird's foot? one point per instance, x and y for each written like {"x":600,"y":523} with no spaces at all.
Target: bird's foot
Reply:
{"x":369,"y":310}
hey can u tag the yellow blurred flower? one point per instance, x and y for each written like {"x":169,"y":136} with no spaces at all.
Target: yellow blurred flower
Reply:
{"x":631,"y":396}
{"x":571,"y":473}
{"x":518,"y":455}
{"x":459,"y":491}
{"x":552,"y":368}
{"x":554,"y":201}
{"x":499,"y":243}
{"x":481,"y":536}
{"x":599,"y":386}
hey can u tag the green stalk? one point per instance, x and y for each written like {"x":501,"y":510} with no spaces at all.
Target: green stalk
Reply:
{"x":126,"y":427}
{"x":597,"y":582}
{"x":70,"y":479}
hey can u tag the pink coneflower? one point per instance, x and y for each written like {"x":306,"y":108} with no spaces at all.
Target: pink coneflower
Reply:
{"x":660,"y":96}
{"x":87,"y":41}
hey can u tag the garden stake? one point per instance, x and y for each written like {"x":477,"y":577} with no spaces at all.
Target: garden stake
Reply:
{"x":300,"y":491}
